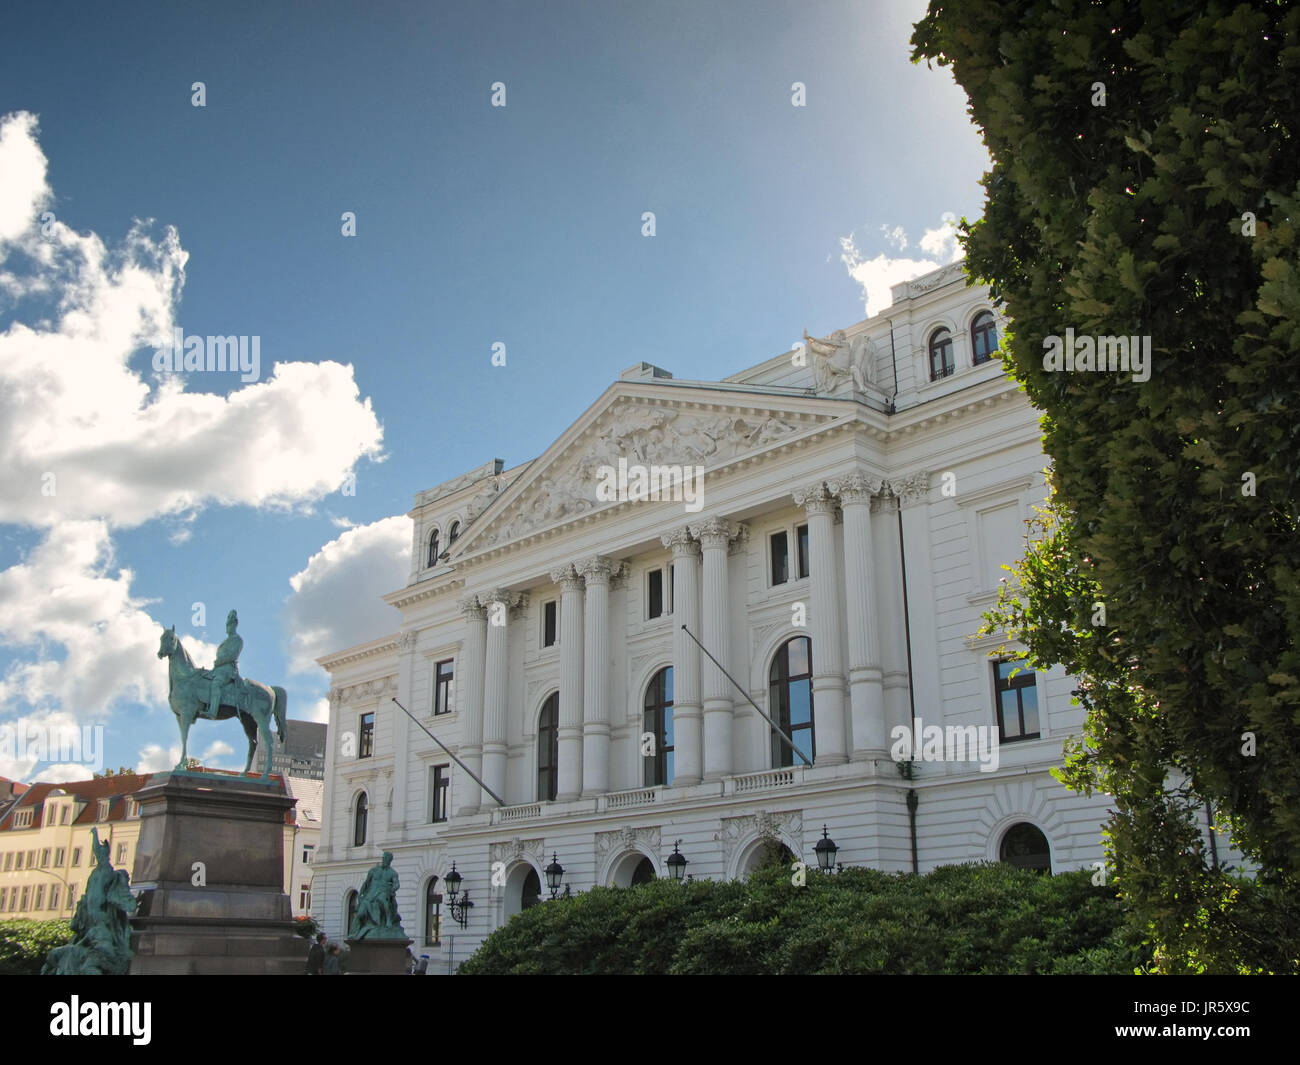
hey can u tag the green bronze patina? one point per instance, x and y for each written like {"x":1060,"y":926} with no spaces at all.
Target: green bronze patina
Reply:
{"x":377,"y":916}
{"x":192,"y":693}
{"x":101,"y":943}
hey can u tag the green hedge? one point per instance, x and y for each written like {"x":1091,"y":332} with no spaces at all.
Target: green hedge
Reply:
{"x":956,"y":920}
{"x":24,"y":944}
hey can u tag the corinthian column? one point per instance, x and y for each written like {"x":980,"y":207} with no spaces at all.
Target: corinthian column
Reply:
{"x":496,"y":686}
{"x":715,"y":534}
{"x":866,"y":695}
{"x":687,"y":753}
{"x":571,"y":681}
{"x":595,"y":691}
{"x":827,"y":657}
{"x":893,"y":645}
{"x":469,"y":681}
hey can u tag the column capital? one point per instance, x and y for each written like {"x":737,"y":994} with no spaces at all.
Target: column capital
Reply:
{"x":407,"y":641}
{"x":681,"y":542}
{"x":886,"y":501}
{"x":471,"y":608}
{"x":914,"y":488}
{"x":715,"y":532}
{"x":857,"y":487}
{"x":514,"y":601}
{"x":815,"y":499}
{"x":568,"y":578}
{"x":598,"y":569}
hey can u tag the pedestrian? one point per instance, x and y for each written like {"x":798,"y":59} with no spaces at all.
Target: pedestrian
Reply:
{"x":334,"y":961}
{"x":316,"y":956}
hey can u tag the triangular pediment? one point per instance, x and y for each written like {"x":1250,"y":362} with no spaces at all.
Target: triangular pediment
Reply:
{"x":650,"y":427}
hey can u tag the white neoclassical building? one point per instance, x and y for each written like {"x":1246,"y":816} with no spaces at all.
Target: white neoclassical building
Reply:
{"x":857,"y":498}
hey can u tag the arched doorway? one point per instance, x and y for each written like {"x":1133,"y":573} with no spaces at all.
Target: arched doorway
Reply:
{"x":765,"y":852}
{"x":632,"y":869}
{"x":523,"y":889}
{"x":1025,"y":847}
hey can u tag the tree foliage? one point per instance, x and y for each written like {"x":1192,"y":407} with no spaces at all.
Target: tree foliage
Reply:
{"x":957,"y":919}
{"x":1145,"y":182}
{"x":24,"y":944}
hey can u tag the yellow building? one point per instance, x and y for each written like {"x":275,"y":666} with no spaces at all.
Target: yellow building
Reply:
{"x":45,"y":847}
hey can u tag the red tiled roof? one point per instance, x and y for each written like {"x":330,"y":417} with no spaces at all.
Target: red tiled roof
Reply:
{"x":86,"y":791}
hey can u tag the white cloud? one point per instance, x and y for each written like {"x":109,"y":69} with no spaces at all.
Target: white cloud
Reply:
{"x":156,"y":759}
{"x":319,"y":710}
{"x":336,"y":599}
{"x":125,"y":446}
{"x":878,"y":274}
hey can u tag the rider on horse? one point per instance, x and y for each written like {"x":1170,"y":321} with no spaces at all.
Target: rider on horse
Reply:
{"x":226,"y":669}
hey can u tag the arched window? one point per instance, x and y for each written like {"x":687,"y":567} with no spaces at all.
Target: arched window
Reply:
{"x":548,"y":749}
{"x":433,"y":549}
{"x":658,"y":721}
{"x":359,"y":821}
{"x":644,"y":873}
{"x":941,"y":363}
{"x":983,"y":337}
{"x":453,"y":532}
{"x":531,"y":893}
{"x":791,"y":700}
{"x":350,"y":913}
{"x":432,"y":913}
{"x":1025,"y":847}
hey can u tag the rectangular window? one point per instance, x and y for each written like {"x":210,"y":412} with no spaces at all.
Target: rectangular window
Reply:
{"x":304,"y":897}
{"x":655,"y":594}
{"x":55,"y":891}
{"x":121,"y":854}
{"x":4,"y":896}
{"x":439,"y":780}
{"x":367,"y":731}
{"x":801,"y":541}
{"x":66,"y":813}
{"x":18,"y":860}
{"x":72,"y":896}
{"x":550,"y":623}
{"x":76,"y":857}
{"x":433,"y":918}
{"x":31,"y":859}
{"x":442,"y":678}
{"x":1017,"y":701}
{"x":27,"y":895}
{"x":9,"y":861}
{"x":39,"y":904}
{"x":59,"y":855}
{"x":45,"y":858}
{"x":307,"y":850}
{"x":103,"y":809}
{"x":23,"y":818}
{"x":780,"y":558}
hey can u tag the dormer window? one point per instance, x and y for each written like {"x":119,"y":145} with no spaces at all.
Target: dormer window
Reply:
{"x":104,"y":804}
{"x":433,"y":549}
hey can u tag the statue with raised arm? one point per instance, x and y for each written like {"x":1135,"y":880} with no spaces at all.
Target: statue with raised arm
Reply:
{"x":101,"y":927}
{"x":377,"y":916}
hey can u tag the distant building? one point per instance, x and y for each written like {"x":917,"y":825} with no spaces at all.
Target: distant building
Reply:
{"x":45,"y":848}
{"x":302,"y":755}
{"x":301,"y":841}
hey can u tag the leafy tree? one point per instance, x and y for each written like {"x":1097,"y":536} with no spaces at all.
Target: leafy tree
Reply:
{"x":24,"y":944}
{"x":1145,"y":184}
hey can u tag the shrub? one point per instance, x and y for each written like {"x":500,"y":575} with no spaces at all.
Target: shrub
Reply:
{"x":24,"y":944}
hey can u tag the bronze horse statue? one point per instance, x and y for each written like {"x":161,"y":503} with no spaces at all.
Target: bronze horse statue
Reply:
{"x":188,"y":692}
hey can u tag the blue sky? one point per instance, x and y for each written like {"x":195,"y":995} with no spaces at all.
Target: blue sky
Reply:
{"x":475,"y":225}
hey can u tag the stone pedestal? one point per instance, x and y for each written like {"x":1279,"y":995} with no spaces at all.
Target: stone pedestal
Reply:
{"x":377,"y":957}
{"x":239,"y":920}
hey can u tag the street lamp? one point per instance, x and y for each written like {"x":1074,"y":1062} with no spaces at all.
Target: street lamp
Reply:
{"x":459,"y":907}
{"x":554,"y":876}
{"x":826,"y":851}
{"x":677,"y":862}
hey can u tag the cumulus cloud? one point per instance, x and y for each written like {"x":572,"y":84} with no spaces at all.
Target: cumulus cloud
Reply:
{"x":336,"y":599}
{"x":84,"y":435}
{"x":158,"y":759}
{"x":878,"y":274}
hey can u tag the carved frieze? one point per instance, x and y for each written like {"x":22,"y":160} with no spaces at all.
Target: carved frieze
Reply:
{"x":742,"y":829}
{"x":627,"y":838}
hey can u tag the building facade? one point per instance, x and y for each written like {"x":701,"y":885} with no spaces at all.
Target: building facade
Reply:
{"x":857,"y":498}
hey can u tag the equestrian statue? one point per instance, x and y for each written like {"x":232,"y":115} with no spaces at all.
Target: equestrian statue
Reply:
{"x":193,"y":692}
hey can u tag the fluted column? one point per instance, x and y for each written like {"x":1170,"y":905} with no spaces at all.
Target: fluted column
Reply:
{"x":866,"y":694}
{"x":569,"y":784}
{"x":824,"y":618}
{"x":402,"y":732}
{"x":893,"y":646}
{"x":469,"y":697}
{"x":496,"y":688}
{"x":914,"y":500}
{"x":714,"y":535}
{"x":688,"y":750}
{"x":595,"y":661}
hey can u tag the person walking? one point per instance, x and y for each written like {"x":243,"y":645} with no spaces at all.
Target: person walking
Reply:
{"x":334,"y":961}
{"x":316,"y":956}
